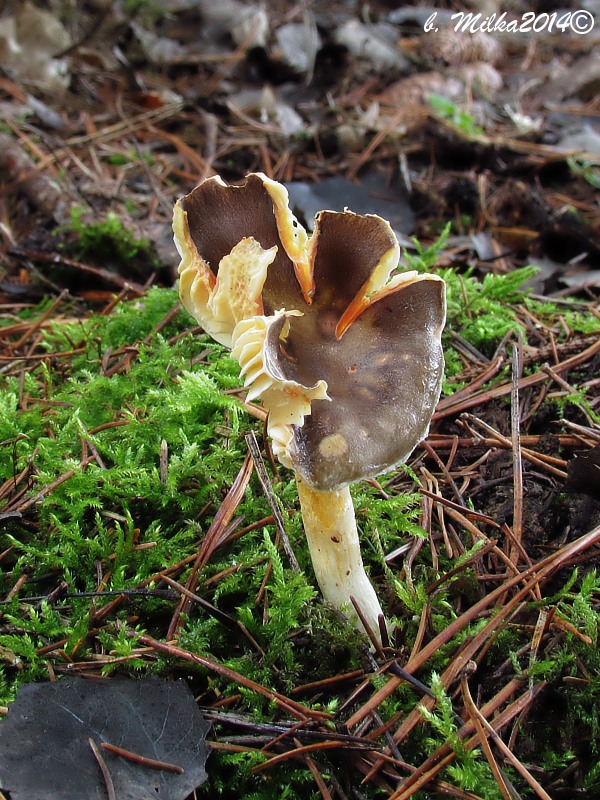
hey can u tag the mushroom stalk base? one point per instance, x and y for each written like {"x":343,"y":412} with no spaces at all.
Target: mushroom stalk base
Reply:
{"x":330,"y":527}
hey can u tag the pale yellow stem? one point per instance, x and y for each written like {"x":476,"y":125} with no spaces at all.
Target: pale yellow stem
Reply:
{"x":330,"y":527}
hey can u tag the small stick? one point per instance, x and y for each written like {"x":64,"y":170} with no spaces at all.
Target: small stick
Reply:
{"x":143,"y":761}
{"x":517,"y":454}
{"x":110,"y":787}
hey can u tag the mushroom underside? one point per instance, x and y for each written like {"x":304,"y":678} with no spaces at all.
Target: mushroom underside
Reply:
{"x":383,"y":378}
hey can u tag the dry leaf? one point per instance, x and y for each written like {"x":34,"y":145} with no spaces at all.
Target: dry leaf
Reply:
{"x":44,"y":742}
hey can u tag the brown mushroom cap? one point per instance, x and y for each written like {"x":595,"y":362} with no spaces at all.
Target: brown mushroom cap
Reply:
{"x":372,"y":340}
{"x":219,"y":216}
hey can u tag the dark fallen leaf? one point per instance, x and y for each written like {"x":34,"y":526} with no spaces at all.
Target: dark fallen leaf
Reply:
{"x":44,"y":742}
{"x":371,"y":196}
{"x":583,"y":473}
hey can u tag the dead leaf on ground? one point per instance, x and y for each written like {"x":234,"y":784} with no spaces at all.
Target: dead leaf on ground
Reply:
{"x":371,"y":196}
{"x":584,"y":473}
{"x":29,"y":41}
{"x":374,"y":43}
{"x":44,"y":743}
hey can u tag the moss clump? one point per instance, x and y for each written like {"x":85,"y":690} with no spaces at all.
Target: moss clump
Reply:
{"x":108,"y":242}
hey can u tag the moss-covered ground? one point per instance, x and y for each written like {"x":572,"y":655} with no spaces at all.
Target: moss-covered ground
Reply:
{"x":121,"y":437}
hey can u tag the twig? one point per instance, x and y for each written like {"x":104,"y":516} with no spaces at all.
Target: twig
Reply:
{"x":234,"y":625}
{"x":308,"y":748}
{"x":38,"y":323}
{"x":444,"y":755}
{"x":98,"y":272}
{"x":46,"y":490}
{"x":515,"y":418}
{"x":518,"y":766}
{"x":125,"y":126}
{"x":450,"y":405}
{"x":322,"y":786}
{"x":540,"y":460}
{"x":531,"y":576}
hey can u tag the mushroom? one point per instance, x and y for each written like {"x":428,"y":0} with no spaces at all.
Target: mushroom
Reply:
{"x":342,"y":349}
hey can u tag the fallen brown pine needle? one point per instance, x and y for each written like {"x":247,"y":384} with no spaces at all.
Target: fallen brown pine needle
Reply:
{"x":308,"y":748}
{"x":143,"y":761}
{"x":110,"y":787}
{"x":291,"y":706}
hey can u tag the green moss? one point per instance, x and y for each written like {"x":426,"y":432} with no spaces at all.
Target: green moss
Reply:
{"x":461,"y":120}
{"x":587,"y":169}
{"x":485,"y":312}
{"x":108,"y":242}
